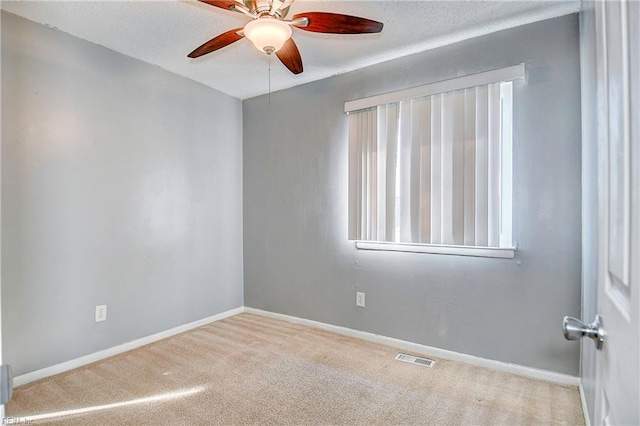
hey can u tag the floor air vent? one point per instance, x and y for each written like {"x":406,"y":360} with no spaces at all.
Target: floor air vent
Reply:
{"x":415,"y":360}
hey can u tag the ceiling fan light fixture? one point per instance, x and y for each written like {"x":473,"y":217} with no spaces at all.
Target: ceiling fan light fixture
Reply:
{"x":267,"y":34}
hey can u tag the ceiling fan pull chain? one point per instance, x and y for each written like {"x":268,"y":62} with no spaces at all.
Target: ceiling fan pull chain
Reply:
{"x":269,"y":79}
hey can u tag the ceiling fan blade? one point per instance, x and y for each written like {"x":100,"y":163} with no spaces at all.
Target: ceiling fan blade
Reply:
{"x":335,"y":23}
{"x":289,"y":55}
{"x":218,"y":42}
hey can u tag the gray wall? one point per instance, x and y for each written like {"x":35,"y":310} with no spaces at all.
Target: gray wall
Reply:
{"x":588,"y":69}
{"x":121,"y":185}
{"x":296,"y":254}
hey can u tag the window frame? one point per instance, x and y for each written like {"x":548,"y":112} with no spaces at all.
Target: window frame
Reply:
{"x":474,"y":251}
{"x":506,"y":248}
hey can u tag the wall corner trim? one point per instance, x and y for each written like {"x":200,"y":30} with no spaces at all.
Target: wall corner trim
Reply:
{"x":520,"y":370}
{"x":106,"y":353}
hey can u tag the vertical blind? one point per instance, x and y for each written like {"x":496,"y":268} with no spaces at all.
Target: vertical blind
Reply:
{"x":434,"y":169}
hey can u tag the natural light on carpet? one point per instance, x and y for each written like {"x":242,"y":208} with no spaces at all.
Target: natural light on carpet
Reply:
{"x":155,"y":398}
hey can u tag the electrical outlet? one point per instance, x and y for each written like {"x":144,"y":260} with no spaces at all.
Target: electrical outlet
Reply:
{"x":360,"y":299}
{"x":101,"y":313}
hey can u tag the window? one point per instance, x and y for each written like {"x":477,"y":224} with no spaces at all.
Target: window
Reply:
{"x":430,"y":168}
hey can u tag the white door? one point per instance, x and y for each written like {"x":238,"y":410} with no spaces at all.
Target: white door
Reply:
{"x":618,"y":98}
{"x":2,"y":411}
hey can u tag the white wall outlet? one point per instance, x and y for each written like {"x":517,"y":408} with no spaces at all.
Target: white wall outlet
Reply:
{"x":101,"y":313}
{"x":360,"y":299}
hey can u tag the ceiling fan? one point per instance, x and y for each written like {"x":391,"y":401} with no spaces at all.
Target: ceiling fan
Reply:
{"x":271,"y":33}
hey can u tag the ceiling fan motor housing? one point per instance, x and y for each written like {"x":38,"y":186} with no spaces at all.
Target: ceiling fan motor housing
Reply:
{"x":257,"y":6}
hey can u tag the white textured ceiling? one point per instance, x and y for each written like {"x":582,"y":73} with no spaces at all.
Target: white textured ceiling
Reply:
{"x":164,"y":32}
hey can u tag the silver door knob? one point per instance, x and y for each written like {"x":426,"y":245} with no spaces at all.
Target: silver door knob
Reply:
{"x":574,"y":329}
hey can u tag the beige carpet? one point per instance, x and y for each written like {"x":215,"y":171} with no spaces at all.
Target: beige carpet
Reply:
{"x":252,"y":370}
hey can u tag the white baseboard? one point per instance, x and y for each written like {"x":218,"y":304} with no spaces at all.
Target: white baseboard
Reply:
{"x":585,"y":409}
{"x":100,"y":355}
{"x":520,"y":370}
{"x":550,"y":376}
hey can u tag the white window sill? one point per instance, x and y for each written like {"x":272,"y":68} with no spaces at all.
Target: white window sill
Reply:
{"x":500,"y":252}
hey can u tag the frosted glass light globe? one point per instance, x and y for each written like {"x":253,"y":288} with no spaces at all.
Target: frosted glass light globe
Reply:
{"x":267,"y":34}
